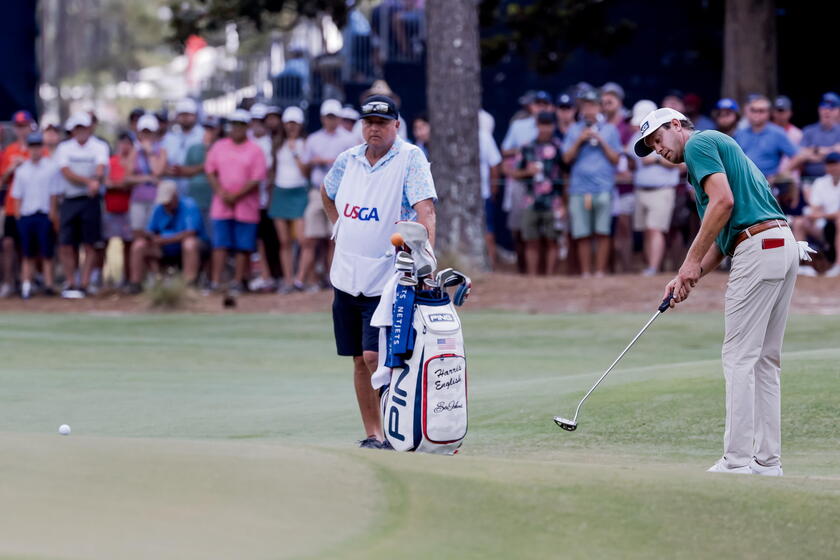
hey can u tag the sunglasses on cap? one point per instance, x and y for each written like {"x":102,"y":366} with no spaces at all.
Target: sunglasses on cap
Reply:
{"x":377,"y":107}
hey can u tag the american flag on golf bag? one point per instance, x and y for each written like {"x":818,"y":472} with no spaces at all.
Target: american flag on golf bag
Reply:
{"x":446,"y":343}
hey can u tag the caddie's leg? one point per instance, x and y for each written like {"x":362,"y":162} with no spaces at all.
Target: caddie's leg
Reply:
{"x":366,"y":395}
{"x":749,"y":303}
{"x":768,"y":432}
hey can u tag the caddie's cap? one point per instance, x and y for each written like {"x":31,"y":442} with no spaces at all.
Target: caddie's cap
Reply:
{"x":651,"y":123}
{"x":379,"y":106}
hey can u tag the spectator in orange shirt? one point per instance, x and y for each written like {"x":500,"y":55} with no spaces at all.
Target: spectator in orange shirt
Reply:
{"x":15,"y":154}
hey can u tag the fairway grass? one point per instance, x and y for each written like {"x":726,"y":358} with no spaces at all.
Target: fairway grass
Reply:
{"x":233,"y":437}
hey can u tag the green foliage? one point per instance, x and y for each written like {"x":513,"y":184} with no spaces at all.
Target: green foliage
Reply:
{"x":168,"y":293}
{"x":203,"y":17}
{"x":546,"y":32}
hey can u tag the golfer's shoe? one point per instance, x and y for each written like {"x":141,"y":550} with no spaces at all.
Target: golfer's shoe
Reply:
{"x":720,"y":467}
{"x":370,"y":443}
{"x":386,"y":445}
{"x":775,"y":470}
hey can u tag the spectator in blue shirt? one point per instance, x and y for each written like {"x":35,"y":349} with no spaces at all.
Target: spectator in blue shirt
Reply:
{"x":592,"y":148}
{"x":822,"y":137}
{"x":762,"y":141}
{"x":176,"y":232}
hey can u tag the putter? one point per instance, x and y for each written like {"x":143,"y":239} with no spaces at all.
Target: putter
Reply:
{"x":571,"y":425}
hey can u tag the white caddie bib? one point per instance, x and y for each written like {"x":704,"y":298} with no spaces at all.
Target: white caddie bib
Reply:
{"x":368,"y":207}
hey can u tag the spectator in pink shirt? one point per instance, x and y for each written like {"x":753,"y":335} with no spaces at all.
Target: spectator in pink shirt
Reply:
{"x":235,"y":166}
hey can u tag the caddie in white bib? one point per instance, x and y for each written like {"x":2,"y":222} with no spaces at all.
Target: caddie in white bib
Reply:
{"x":366,"y":192}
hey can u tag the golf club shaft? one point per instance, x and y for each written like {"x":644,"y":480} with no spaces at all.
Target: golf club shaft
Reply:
{"x":632,"y":342}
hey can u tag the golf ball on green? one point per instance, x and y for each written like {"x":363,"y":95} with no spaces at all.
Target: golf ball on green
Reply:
{"x":64,"y":430}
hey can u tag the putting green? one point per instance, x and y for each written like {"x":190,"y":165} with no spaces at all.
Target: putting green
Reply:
{"x":232,"y":437}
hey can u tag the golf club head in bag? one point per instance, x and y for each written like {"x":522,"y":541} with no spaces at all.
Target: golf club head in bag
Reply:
{"x":416,"y":237}
{"x":464,"y":288}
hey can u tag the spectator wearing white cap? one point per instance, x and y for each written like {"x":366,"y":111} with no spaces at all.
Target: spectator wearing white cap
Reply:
{"x":290,"y":194}
{"x":655,"y":180}
{"x":348,"y":116}
{"x":82,"y":164}
{"x":235,"y":166}
{"x":267,"y":245}
{"x":175,"y":233}
{"x":179,"y":138}
{"x":147,"y":168}
{"x":321,"y":149}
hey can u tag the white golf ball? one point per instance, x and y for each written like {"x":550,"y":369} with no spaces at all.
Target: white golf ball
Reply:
{"x":64,"y":430}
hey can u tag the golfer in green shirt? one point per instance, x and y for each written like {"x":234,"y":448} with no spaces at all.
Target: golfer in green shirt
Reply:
{"x":741,"y":218}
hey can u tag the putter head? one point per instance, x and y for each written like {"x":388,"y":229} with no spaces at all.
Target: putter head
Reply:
{"x":566,"y":424}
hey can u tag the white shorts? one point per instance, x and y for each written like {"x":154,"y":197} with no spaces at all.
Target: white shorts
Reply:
{"x":654,"y":209}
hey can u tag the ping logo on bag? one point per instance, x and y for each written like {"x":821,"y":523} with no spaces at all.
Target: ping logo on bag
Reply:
{"x":440,"y":317}
{"x":361,"y":213}
{"x":398,"y":398}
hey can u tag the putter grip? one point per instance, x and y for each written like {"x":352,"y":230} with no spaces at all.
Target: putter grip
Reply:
{"x":666,"y":303}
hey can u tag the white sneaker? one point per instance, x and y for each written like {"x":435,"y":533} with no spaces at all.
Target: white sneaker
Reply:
{"x":649,"y":272}
{"x":775,"y":470}
{"x":720,"y":467}
{"x":833,"y":272}
{"x":26,"y":290}
{"x":805,"y":270}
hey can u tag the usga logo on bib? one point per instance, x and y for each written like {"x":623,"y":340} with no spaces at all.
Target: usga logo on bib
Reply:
{"x":361,"y":213}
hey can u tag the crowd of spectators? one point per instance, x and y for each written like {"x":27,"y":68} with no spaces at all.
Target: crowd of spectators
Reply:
{"x":571,"y":186}
{"x":234,"y":202}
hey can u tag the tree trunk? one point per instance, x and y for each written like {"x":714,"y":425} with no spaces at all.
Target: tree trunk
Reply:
{"x":453,"y":100}
{"x":749,"y":49}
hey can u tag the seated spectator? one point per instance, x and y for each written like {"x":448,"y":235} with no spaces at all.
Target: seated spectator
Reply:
{"x":592,"y":150}
{"x":655,"y":180}
{"x":821,"y":219}
{"x":693,"y":110}
{"x":175,"y":232}
{"x":235,"y":166}
{"x":542,"y":168}
{"x":727,"y":113}
{"x":762,"y":141}
{"x":821,"y":138}
{"x":36,"y":189}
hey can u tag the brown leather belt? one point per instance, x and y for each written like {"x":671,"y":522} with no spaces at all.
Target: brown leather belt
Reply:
{"x":755,"y":229}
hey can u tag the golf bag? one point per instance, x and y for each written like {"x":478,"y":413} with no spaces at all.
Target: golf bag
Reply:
{"x":424,"y":408}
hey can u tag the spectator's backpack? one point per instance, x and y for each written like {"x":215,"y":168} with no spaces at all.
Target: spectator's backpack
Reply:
{"x":424,"y":408}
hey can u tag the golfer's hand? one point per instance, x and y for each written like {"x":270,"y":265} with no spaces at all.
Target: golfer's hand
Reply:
{"x":684,"y":281}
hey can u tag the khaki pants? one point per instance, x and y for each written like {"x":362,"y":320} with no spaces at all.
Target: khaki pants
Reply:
{"x":757,"y":302}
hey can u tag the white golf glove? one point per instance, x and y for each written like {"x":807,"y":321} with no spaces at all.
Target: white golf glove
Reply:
{"x":805,"y":251}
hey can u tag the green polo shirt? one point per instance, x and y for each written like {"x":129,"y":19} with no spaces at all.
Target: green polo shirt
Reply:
{"x":710,"y":152}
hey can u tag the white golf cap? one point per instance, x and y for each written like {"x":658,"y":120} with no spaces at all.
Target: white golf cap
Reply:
{"x":641,"y":109}
{"x":166,"y":191}
{"x":258,"y":111}
{"x":148,"y":122}
{"x":293,"y":114}
{"x":81,"y":118}
{"x":349,"y":113}
{"x":331,"y":107}
{"x":186,"y":105}
{"x":651,"y":124}
{"x":240,"y":116}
